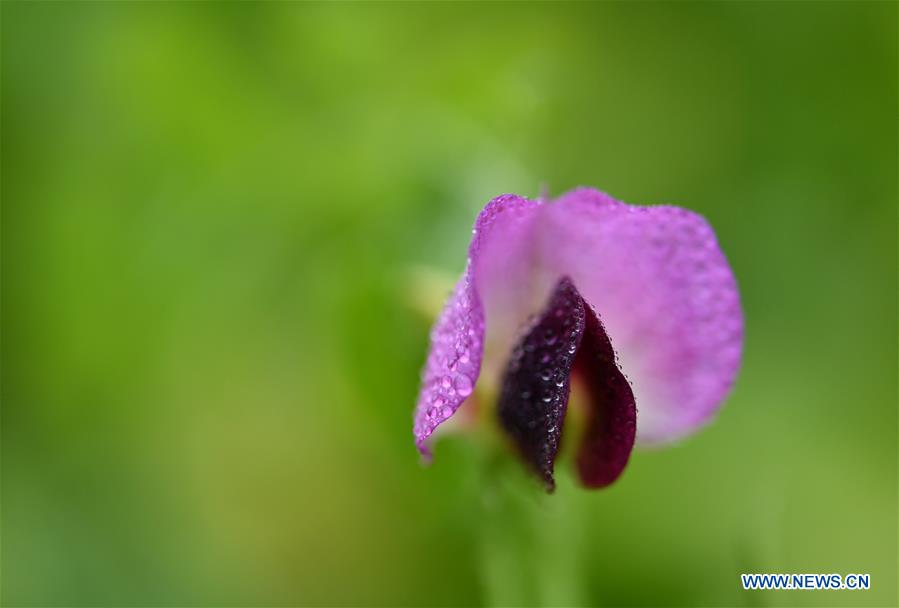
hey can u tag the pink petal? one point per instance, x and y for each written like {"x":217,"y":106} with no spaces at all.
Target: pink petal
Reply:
{"x":667,"y":298}
{"x":656,"y":276}
{"x":497,"y":258}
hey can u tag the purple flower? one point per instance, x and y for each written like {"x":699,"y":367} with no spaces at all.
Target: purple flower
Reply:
{"x":549,"y":289}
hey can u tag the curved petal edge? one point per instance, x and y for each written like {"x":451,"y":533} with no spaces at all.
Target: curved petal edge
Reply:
{"x":668,"y":299}
{"x":453,"y":364}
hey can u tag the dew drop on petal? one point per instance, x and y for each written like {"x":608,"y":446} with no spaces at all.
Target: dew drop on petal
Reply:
{"x":463,"y":385}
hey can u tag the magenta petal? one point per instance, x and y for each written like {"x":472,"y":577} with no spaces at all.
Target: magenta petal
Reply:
{"x":454,"y":362}
{"x":667,"y":296}
{"x":457,"y":338}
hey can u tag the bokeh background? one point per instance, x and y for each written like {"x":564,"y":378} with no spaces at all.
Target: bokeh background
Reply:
{"x":223,"y":227}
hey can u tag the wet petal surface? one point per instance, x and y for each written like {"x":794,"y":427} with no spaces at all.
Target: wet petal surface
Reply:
{"x":666,"y":293}
{"x":457,"y":338}
{"x":667,"y":297}
{"x":566,"y":336}
{"x":611,"y":427}
{"x":536,"y":386}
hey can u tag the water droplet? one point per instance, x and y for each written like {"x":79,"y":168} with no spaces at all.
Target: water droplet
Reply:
{"x":446,"y":382}
{"x":463,"y":385}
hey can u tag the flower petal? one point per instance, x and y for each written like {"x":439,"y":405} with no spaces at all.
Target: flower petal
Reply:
{"x":536,"y":385}
{"x":496,"y":257}
{"x":667,"y":296}
{"x":611,"y":426}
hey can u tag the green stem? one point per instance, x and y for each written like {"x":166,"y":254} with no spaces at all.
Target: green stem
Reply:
{"x":530,"y":541}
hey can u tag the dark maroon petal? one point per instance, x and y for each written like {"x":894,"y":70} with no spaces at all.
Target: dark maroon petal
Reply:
{"x":568,"y":335}
{"x":535,"y":389}
{"x":612,"y":418}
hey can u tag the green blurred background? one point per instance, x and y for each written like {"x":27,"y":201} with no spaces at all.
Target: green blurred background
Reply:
{"x":217,"y":220}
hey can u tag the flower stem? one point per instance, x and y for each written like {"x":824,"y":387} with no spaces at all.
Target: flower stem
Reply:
{"x":530,"y":541}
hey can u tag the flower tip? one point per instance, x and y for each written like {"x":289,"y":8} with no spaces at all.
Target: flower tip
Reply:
{"x":425,"y":455}
{"x":549,"y":484}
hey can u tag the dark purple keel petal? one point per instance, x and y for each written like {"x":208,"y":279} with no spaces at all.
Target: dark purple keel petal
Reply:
{"x":612,"y":419}
{"x":568,"y":336}
{"x":536,"y":385}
